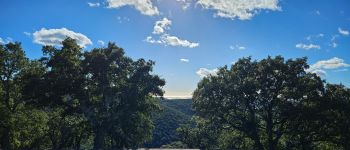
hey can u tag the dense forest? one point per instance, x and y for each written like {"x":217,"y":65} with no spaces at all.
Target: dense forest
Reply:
{"x":101,"y":99}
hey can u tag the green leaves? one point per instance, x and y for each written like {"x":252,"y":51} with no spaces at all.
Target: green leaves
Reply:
{"x":264,"y":102}
{"x":78,"y":95}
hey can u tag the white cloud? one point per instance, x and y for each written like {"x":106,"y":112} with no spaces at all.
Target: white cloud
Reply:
{"x":241,"y":9}
{"x":161,"y":25}
{"x":332,"y":63}
{"x":146,"y":7}
{"x":307,"y":47}
{"x":27,"y":33}
{"x":184,"y":3}
{"x":310,"y":37}
{"x":333,"y":41}
{"x":204,"y":72}
{"x":322,"y":65}
{"x":94,"y":4}
{"x":343,"y":32}
{"x":56,"y":36}
{"x":184,"y":60}
{"x":159,"y":30}
{"x":237,"y":47}
{"x":175,"y":41}
{"x":101,"y":43}
{"x":150,"y":39}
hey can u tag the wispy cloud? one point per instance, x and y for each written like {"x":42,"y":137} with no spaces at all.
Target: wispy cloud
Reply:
{"x":321,"y":66}
{"x":307,"y":46}
{"x":343,"y":32}
{"x":237,"y":47}
{"x":184,"y":60}
{"x":185,"y":4}
{"x":94,"y":4}
{"x":311,"y":37}
{"x":27,"y":33}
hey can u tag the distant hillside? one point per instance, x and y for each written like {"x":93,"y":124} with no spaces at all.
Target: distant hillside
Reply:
{"x":174,"y":113}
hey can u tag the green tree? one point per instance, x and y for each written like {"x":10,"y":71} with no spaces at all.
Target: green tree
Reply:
{"x":21,"y":125}
{"x":257,"y":98}
{"x":119,"y":97}
{"x":101,"y":91}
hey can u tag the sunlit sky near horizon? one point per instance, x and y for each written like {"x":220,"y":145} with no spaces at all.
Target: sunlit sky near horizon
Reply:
{"x":189,"y":39}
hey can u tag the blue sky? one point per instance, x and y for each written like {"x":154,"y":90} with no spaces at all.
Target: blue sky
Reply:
{"x":189,"y":39}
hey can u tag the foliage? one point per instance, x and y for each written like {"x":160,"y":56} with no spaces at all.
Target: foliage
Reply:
{"x":173,"y":113}
{"x":70,"y":98}
{"x":269,"y":104}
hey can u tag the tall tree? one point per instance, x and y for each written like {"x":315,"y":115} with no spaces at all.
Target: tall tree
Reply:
{"x":120,"y":102}
{"x":63,"y":90}
{"x":105,"y":89}
{"x":12,"y":63}
{"x":257,"y":98}
{"x":21,"y":125}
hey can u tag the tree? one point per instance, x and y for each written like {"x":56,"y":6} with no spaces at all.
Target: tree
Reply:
{"x":62,"y":90}
{"x":119,"y":97}
{"x":336,"y":116}
{"x":21,"y":125}
{"x":102,"y":88}
{"x":258,"y":98}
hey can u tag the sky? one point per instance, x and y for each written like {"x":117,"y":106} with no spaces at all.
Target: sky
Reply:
{"x":190,"y":39}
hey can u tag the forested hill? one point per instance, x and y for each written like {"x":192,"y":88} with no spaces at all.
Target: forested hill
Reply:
{"x":174,"y":112}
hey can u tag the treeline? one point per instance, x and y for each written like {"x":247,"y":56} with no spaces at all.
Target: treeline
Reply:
{"x":75,"y":99}
{"x":102,"y":99}
{"x":269,"y":104}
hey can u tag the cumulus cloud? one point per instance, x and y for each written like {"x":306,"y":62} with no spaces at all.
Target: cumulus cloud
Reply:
{"x":166,"y":39}
{"x":343,"y":32}
{"x":204,"y":72}
{"x":175,"y":41}
{"x":307,"y":46}
{"x":94,"y":4}
{"x":161,"y":25}
{"x":146,"y":7}
{"x":55,"y":37}
{"x":241,"y":9}
{"x":184,"y":60}
{"x":322,"y":65}
{"x":150,"y":39}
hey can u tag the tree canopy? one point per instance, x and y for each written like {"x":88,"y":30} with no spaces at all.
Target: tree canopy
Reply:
{"x":71,"y":98}
{"x":268,"y":104}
